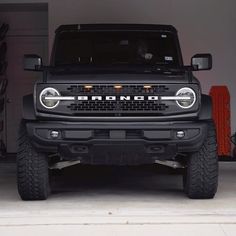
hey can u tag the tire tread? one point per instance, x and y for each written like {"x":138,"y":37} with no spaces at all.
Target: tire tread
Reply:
{"x":32,"y":169}
{"x":202,"y":169}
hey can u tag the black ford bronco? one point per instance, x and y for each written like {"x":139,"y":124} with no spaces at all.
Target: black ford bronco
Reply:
{"x":117,"y":94}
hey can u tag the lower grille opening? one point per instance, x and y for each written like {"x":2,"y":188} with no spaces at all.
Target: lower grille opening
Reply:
{"x":129,"y":134}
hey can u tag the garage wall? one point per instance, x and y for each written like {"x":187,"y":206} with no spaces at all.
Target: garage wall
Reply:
{"x":204,"y":26}
{"x":28,"y":34}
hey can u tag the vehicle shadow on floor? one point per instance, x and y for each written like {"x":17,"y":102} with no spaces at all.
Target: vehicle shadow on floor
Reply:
{"x":141,"y":180}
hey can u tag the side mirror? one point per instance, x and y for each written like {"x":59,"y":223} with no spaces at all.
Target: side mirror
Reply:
{"x":32,"y":62}
{"x":201,"y":62}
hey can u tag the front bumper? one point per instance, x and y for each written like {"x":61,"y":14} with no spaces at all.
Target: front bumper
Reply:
{"x":117,"y":143}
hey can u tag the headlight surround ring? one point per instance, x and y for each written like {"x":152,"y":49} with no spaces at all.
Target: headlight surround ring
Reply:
{"x":49,"y":92}
{"x":186,"y":92}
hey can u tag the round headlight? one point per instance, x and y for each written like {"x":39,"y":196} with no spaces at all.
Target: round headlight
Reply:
{"x":186,"y":98}
{"x":45,"y":100}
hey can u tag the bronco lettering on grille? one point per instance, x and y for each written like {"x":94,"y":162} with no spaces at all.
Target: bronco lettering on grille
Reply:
{"x":115,"y":98}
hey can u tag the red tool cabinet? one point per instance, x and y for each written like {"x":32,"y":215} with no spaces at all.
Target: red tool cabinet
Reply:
{"x":221,"y":115}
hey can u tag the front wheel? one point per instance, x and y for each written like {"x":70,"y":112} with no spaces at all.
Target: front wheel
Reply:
{"x":201,"y":175}
{"x":32,"y":170}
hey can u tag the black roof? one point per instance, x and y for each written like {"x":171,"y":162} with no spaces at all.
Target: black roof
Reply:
{"x":116,"y":27}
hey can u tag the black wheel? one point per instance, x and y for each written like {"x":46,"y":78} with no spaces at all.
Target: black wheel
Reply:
{"x":32,"y":170}
{"x":201,"y":175}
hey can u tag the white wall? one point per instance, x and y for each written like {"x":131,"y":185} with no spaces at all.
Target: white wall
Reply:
{"x":203,"y":25}
{"x":26,"y":23}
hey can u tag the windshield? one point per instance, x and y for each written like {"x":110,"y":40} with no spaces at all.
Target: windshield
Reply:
{"x":116,"y":48}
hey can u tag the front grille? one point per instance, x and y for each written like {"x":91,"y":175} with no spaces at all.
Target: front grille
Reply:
{"x":119,"y":107}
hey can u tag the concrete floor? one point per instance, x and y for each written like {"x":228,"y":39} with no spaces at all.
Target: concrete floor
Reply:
{"x":118,"y":201}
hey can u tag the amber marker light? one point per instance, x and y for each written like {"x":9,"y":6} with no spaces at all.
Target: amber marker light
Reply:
{"x":88,"y":86}
{"x":147,"y":86}
{"x":118,"y":86}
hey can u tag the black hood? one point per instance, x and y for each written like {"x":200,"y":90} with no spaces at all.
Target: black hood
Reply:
{"x":121,"y":78}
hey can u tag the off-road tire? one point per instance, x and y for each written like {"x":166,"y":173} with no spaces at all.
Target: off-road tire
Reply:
{"x":32,"y":169}
{"x":201,"y":175}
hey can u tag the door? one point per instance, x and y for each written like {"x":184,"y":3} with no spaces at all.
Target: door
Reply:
{"x":20,"y":82}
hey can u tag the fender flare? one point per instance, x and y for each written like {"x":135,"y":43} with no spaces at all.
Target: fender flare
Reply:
{"x":206,"y":108}
{"x":28,"y":107}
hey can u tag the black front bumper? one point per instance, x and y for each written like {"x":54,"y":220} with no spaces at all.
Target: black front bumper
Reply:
{"x":117,"y":142}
